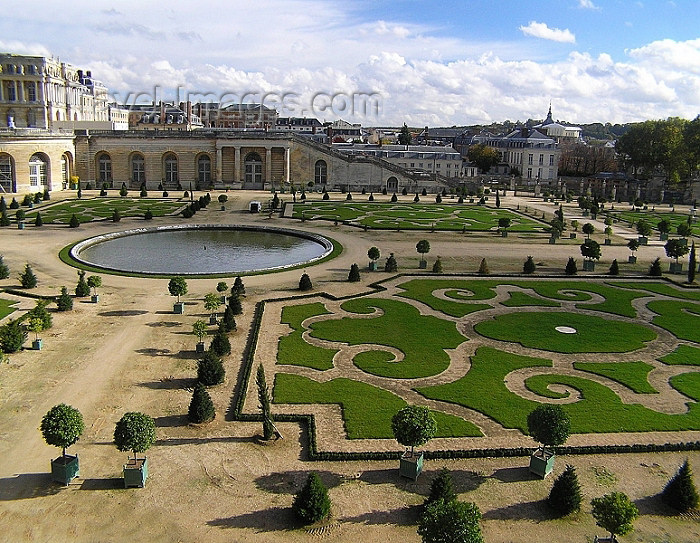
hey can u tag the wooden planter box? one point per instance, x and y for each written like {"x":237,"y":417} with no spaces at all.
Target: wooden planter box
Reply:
{"x":588,"y":265}
{"x":65,"y":468}
{"x":608,"y":241}
{"x":632,"y":259}
{"x":552,"y":240}
{"x":20,"y":225}
{"x":95,"y":298}
{"x":423,"y":264}
{"x":411,"y":466}
{"x":373,"y":266}
{"x":504,"y":233}
{"x":212,"y":320}
{"x":136,"y":473}
{"x":572,"y":235}
{"x":676,"y":267}
{"x":663,"y":237}
{"x":200,"y":347}
{"x":179,"y":308}
{"x":223,"y":299}
{"x":585,"y":213}
{"x":542,"y":462}
{"x":37,"y":344}
{"x":643,"y":240}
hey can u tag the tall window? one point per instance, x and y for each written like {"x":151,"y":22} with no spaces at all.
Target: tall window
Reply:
{"x":321,"y":172}
{"x":104,"y":168}
{"x":11,"y":91}
{"x":551,"y":160}
{"x":541,"y":159}
{"x":204,"y":170}
{"x":64,"y":171}
{"x":170,"y":164}
{"x":31,"y":91}
{"x":138,"y":169}
{"x":253,"y":168}
{"x":6,"y":173}
{"x":37,"y":170}
{"x":529,"y":159}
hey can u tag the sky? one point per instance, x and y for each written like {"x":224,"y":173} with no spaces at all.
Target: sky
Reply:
{"x":383,"y":63}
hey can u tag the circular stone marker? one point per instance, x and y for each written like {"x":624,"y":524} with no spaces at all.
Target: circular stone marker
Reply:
{"x":565,"y":329}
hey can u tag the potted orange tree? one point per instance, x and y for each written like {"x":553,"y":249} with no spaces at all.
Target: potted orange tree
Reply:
{"x":413,"y":426}
{"x":61,"y":427}
{"x":135,"y":432}
{"x":550,"y":426}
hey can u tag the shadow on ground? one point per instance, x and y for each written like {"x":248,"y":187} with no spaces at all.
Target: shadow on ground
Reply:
{"x":517,"y":474}
{"x":28,"y":485}
{"x":536,"y":510}
{"x":654,"y":505}
{"x":402,"y":516}
{"x":170,"y":383}
{"x":164,"y":324}
{"x":124,"y":313}
{"x":152,"y":351}
{"x":462,"y":480}
{"x":290,"y":482}
{"x":171,"y":421}
{"x":273,"y":519}
{"x":112,"y":483}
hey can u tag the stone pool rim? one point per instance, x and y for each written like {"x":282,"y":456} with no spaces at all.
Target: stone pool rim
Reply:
{"x":70,"y":253}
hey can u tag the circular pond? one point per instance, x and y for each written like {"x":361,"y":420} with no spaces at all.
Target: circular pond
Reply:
{"x":201,"y":250}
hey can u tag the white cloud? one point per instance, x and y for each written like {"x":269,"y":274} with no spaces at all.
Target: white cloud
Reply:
{"x":587,"y":4}
{"x":541,"y":30}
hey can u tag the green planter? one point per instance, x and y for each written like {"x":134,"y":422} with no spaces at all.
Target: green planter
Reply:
{"x":95,"y":298}
{"x":422,"y":264}
{"x":542,"y":462}
{"x":504,"y":233}
{"x":136,"y":472}
{"x":373,"y":266}
{"x":588,"y":265}
{"x":179,"y":308}
{"x":608,"y":241}
{"x":676,"y":267}
{"x":65,"y":468}
{"x":552,"y":240}
{"x":663,"y":237}
{"x":411,"y":465}
{"x":37,"y":344}
{"x":212,"y":320}
{"x":632,"y":259}
{"x":643,"y":240}
{"x":572,"y":235}
{"x":200,"y":347}
{"x":20,"y":225}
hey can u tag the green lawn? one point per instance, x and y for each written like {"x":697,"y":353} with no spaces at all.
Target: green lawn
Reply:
{"x":6,"y":307}
{"x":593,"y":334}
{"x":293,"y":349}
{"x":682,"y":319}
{"x":421,"y":338}
{"x":354,"y":398}
{"x":96,"y":209}
{"x":633,"y":375}
{"x":416,"y":216}
{"x":651,"y":217}
{"x":684,"y":355}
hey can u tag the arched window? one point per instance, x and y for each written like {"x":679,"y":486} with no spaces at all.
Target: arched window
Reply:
{"x":138,"y":168}
{"x":204,"y":170}
{"x":65,"y":171}
{"x":104,"y":168}
{"x":6,"y":173}
{"x":253,"y":168}
{"x":321,"y":172}
{"x":38,"y":166}
{"x":392,"y":184}
{"x":170,"y":167}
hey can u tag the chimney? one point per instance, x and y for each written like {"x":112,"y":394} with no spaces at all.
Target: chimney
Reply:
{"x":88,"y":73}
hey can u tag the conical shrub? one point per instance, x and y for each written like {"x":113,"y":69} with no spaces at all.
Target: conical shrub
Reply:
{"x":565,"y":496}
{"x":201,"y":407}
{"x":312,"y":503}
{"x":441,"y":488}
{"x":680,"y":492}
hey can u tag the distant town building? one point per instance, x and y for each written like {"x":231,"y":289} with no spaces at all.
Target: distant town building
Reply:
{"x":341,"y":131}
{"x":163,"y":116}
{"x":236,"y":116}
{"x":559,"y":132}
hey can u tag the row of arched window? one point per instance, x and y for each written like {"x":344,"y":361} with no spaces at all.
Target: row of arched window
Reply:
{"x":170,"y":168}
{"x":39,"y":171}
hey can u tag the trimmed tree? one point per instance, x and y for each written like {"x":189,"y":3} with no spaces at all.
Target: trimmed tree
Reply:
{"x":177,"y":286}
{"x":64,"y":301}
{"x":413,"y":426}
{"x":82,"y":289}
{"x":504,"y":224}
{"x":135,"y":432}
{"x":643,"y":228}
{"x":441,"y":488}
{"x":199,"y":329}
{"x":201,"y":407}
{"x":437,"y":266}
{"x":655,"y":268}
{"x":312,"y":503}
{"x":571,"y":268}
{"x":238,"y":287}
{"x":220,"y":344}
{"x":391,"y":266}
{"x":692,"y":264}
{"x":354,"y":275}
{"x":210,"y":369}
{"x":565,"y":496}
{"x":614,"y":512}
{"x":676,"y":248}
{"x":234,"y":304}
{"x":12,"y":336}
{"x":483,"y":267}
{"x":94,"y":282}
{"x":305,"y":283}
{"x":588,"y":229}
{"x":529,"y":266}
{"x":680,"y":492}
{"x":590,"y":250}
{"x":549,"y":425}
{"x":4,"y":269}
{"x":221,"y":287}
{"x":27,"y":278}
{"x":62,"y":426}
{"x":423,"y":247}
{"x":264,"y":403}
{"x":373,"y":254}
{"x":614,"y":268}
{"x":633,"y":245}
{"x":38,"y":221}
{"x":212,"y":302}
{"x":74,"y":221}
{"x":228,"y":321}
{"x":450,"y":522}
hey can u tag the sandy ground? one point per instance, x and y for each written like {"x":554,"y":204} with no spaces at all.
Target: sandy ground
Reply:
{"x":218,"y":482}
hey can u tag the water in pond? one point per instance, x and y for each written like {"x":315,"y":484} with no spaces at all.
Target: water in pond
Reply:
{"x":202,"y":251}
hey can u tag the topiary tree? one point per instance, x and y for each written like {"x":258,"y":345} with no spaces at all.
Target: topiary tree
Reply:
{"x":441,"y":488}
{"x":74,"y":221}
{"x":354,"y":274}
{"x":391,"y":266}
{"x":238,"y":288}
{"x":210,"y":369}
{"x":38,"y":221}
{"x":615,"y":513}
{"x":64,"y":302}
{"x":588,"y":229}
{"x":82,"y":289}
{"x":123,"y":190}
{"x":664,"y":227}
{"x":201,"y":407}
{"x":529,"y":266}
{"x":549,"y":425}
{"x":413,"y":426}
{"x":680,"y":492}
{"x":4,"y":269}
{"x":40,"y":312}
{"x":305,"y":283}
{"x":450,"y":522}
{"x":199,"y":329}
{"x":394,"y":198}
{"x":212,"y":302}
{"x":498,"y":201}
{"x":312,"y":503}
{"x":643,"y":228}
{"x":571,"y":268}
{"x":590,"y":250}
{"x":62,"y":426}
{"x":221,"y":287}
{"x":27,"y":278}
{"x":423,"y":247}
{"x":148,"y":215}
{"x":483,"y":267}
{"x":633,"y":245}
{"x":373,"y":254}
{"x":437,"y":266}
{"x":692,"y":264}
{"x":504,"y":223}
{"x":655,"y":268}
{"x":234,"y":304}
{"x":614,"y":268}
{"x":228,"y":322}
{"x":4,"y":219}
{"x":94,"y":282}
{"x":565,"y":496}
{"x":135,"y":432}
{"x":676,"y":248}
{"x":177,"y":286}
{"x":684,"y":230}
{"x":12,"y":336}
{"x":264,"y":404}
{"x":220,"y":344}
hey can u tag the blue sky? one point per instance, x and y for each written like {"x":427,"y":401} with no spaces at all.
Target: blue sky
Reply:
{"x":385,"y":62}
